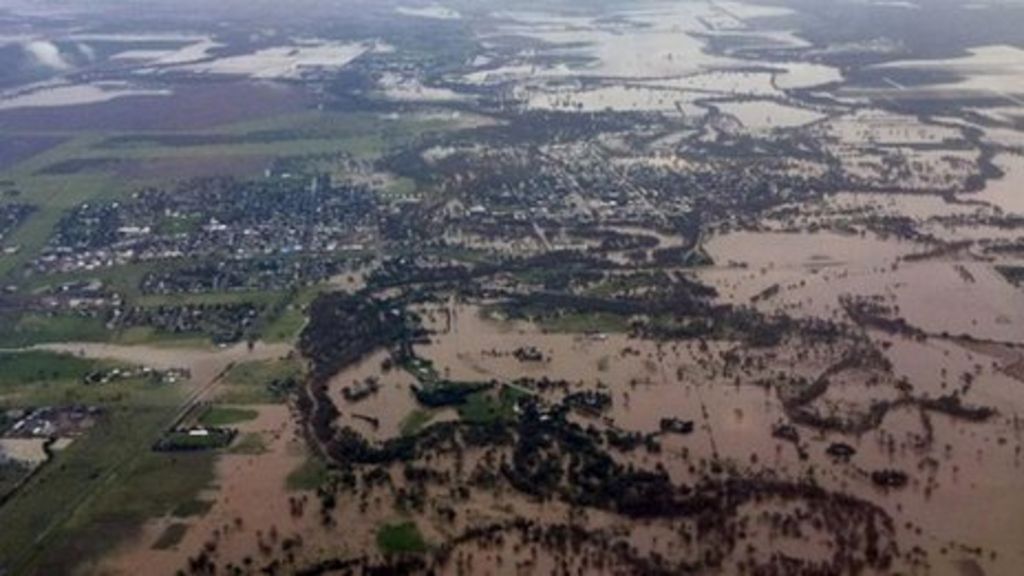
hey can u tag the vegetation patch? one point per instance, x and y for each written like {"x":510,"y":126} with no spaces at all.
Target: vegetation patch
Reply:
{"x":261,"y":382}
{"x":403,"y":538}
{"x":310,"y":475}
{"x":192,"y":508}
{"x":251,"y":444}
{"x":288,"y":318}
{"x":34,"y":366}
{"x":584,"y":322}
{"x":195,"y":439}
{"x":100,"y":489}
{"x":35,"y":328}
{"x":12,"y":473}
{"x":218,"y":416}
{"x":487,"y":407}
{"x":448,"y":393}
{"x":1013,"y":274}
{"x":416,"y":421}
{"x":171,"y":536}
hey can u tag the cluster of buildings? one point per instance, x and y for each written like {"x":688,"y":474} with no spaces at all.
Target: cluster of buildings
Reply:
{"x":214,"y":218}
{"x":48,"y":421}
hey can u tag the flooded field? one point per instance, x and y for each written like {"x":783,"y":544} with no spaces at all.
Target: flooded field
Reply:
{"x":382,"y":414}
{"x":992,"y":71}
{"x":75,"y":95}
{"x":199,"y":107}
{"x":659,"y":59}
{"x":285,"y":62}
{"x":252,"y":511}
{"x":1006,"y":193}
{"x":737,"y":424}
{"x":248,"y":502}
{"x":435,"y":11}
{"x":616,"y":98}
{"x":766,"y":114}
{"x":403,"y":89}
{"x":811,"y":273}
{"x":204,"y":365}
{"x":27,"y":450}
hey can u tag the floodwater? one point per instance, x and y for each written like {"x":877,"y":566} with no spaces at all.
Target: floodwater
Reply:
{"x":734,"y":419}
{"x":969,"y":465}
{"x":388,"y":408}
{"x":249,"y":501}
{"x":202,"y":106}
{"x":433,"y":11}
{"x":204,"y":364}
{"x":920,"y":207}
{"x":192,"y":52}
{"x":660,"y":45}
{"x":962,"y":465}
{"x":802,"y":75}
{"x":407,"y":89}
{"x":734,"y":82}
{"x":888,"y":151}
{"x":284,"y":62}
{"x":651,"y":60}
{"x":53,"y":96}
{"x":869,"y":126}
{"x":1006,"y":193}
{"x":758,"y":115}
{"x":814,"y":270}
{"x":618,"y":98}
{"x":986,"y":71}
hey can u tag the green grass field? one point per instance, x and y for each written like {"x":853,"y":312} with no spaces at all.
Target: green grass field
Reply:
{"x":415,"y":421}
{"x":290,"y":317}
{"x":171,"y":536}
{"x":38,"y":378}
{"x":402,"y":538}
{"x":99,"y":490}
{"x":36,"y":366}
{"x":310,"y":475}
{"x":253,"y":382}
{"x":33,"y":328}
{"x":489,"y":406}
{"x":250,"y":444}
{"x":108,"y":481}
{"x":580,"y":323}
{"x":223,"y":416}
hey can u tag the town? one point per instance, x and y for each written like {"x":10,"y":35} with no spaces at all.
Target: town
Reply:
{"x":470,"y":287}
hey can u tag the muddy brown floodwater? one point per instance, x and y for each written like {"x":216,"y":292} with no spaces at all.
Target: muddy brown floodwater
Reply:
{"x":205,"y":364}
{"x":249,"y":501}
{"x":962,"y":505}
{"x":960,"y":512}
{"x":973,"y":468}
